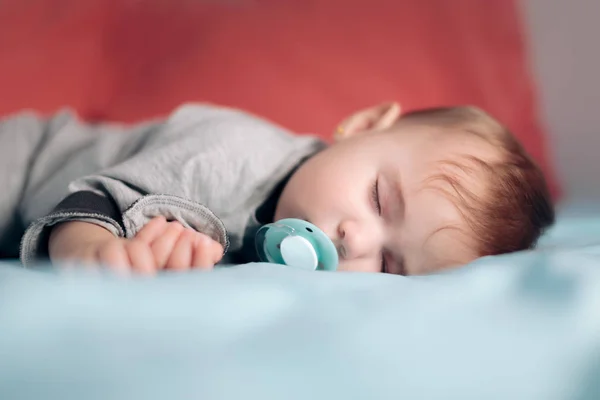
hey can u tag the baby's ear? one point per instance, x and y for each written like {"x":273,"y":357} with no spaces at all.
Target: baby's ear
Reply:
{"x":371,"y":119}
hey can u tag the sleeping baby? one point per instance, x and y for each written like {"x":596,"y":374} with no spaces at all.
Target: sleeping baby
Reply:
{"x":397,"y":193}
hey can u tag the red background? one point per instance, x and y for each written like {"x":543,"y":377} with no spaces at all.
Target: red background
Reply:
{"x":305,"y":64}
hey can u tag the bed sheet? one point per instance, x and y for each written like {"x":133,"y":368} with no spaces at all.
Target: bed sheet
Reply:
{"x":521,"y":326}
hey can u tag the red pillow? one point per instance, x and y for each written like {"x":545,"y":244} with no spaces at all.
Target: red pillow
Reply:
{"x":303,"y":64}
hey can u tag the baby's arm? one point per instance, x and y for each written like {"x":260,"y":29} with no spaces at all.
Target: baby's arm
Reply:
{"x":158,"y":245}
{"x":164,"y":170}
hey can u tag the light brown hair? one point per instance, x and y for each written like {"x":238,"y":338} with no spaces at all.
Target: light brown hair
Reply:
{"x":515,"y":207}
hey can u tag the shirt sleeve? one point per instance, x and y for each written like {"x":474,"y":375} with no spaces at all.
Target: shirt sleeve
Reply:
{"x":91,"y":207}
{"x":174,"y":171}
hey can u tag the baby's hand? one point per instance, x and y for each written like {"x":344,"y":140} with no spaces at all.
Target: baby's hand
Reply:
{"x":175,"y":247}
{"x":158,"y":245}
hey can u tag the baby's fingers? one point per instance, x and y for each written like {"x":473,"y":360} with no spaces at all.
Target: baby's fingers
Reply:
{"x":181,"y":256}
{"x":165,"y":244}
{"x":207,"y":252}
{"x":152,"y":230}
{"x":114,"y":256}
{"x":141,"y":257}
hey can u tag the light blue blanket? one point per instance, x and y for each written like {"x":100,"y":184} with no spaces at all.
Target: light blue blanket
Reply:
{"x":524,"y":326}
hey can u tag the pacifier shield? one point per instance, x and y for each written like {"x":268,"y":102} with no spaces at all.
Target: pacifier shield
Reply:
{"x":296,"y":243}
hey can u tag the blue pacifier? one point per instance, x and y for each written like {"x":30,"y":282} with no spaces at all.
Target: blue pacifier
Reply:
{"x":296,"y":243}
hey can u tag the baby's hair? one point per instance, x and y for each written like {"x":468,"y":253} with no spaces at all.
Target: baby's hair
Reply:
{"x":515,"y":207}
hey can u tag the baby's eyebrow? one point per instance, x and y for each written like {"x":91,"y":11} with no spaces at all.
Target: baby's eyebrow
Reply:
{"x":396,"y":262}
{"x":398,"y":207}
{"x":398,"y":193}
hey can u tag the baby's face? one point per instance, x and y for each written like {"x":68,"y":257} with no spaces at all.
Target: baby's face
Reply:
{"x":367,"y":193}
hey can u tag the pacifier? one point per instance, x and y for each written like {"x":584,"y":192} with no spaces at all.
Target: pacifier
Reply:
{"x":296,"y":243}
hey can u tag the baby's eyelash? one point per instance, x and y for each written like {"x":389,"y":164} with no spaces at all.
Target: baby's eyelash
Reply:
{"x":375,"y":197}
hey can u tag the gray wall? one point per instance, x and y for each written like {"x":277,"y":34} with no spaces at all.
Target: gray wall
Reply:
{"x":564,"y":41}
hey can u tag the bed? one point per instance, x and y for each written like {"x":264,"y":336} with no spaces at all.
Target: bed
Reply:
{"x":521,"y":326}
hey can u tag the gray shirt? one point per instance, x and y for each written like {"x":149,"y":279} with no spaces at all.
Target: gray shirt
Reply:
{"x":209,"y":168}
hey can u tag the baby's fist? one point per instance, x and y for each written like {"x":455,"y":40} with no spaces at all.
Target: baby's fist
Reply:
{"x":175,"y":247}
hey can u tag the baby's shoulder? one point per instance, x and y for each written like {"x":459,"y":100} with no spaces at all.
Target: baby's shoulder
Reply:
{"x":194,"y":113}
{"x":233,"y":128}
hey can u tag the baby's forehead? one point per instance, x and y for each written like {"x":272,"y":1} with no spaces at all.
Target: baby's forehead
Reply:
{"x":460,"y":159}
{"x":459,"y":181}
{"x":460,"y":143}
{"x":450,"y":246}
{"x":438,"y":219}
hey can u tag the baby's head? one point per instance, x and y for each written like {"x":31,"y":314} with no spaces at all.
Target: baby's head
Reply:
{"x":415,"y":193}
